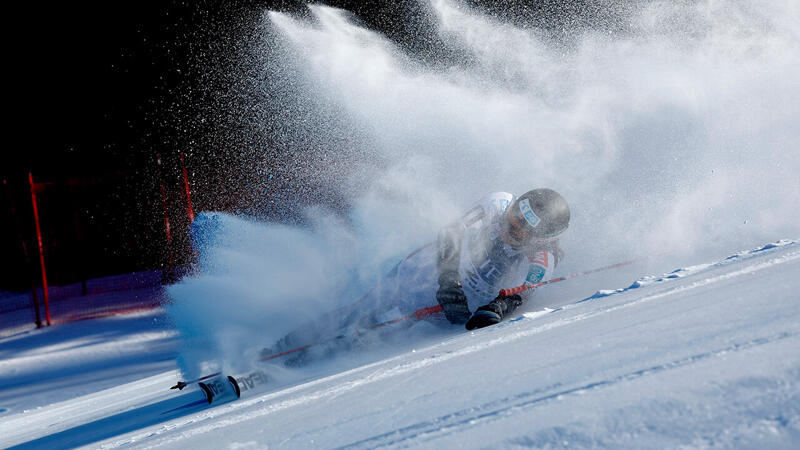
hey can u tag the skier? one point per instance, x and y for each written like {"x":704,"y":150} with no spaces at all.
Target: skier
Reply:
{"x":500,"y":242}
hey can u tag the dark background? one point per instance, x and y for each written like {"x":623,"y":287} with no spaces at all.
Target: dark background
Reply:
{"x":102,"y":91}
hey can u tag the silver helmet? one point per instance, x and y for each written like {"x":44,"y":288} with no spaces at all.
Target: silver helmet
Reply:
{"x":537,"y":215}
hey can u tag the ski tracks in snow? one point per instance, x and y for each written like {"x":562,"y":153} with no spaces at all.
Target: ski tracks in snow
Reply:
{"x":341,"y":383}
{"x":468,"y":418}
{"x":496,"y":410}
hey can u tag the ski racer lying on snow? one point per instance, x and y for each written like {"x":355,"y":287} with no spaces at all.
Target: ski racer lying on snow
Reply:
{"x":501,"y":242}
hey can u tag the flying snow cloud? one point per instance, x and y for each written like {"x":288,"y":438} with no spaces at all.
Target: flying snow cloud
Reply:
{"x":677,"y":133}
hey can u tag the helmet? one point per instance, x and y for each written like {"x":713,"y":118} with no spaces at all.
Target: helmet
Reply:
{"x":537,"y":215}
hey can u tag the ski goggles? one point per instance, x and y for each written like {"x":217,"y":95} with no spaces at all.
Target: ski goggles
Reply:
{"x":517,"y":233}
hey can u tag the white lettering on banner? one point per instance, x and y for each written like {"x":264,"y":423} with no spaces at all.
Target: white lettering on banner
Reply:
{"x":492,"y":274}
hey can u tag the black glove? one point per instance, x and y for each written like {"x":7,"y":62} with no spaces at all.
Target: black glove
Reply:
{"x":453,"y":301}
{"x":493,"y":312}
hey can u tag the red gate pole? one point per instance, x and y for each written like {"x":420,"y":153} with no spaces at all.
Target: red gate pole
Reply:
{"x":166,"y":217}
{"x":41,"y":249}
{"x":34,"y":295}
{"x":189,"y":209}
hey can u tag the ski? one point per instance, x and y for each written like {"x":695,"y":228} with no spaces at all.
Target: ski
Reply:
{"x":416,"y":315}
{"x":252,"y":377}
{"x":419,"y":314}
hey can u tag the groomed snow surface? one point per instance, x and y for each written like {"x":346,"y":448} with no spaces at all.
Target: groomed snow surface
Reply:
{"x":705,"y":356}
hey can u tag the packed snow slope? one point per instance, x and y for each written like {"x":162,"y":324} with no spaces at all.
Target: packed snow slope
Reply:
{"x":703,"y":356}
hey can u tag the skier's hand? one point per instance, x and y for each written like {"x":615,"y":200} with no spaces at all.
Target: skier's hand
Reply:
{"x":485,"y":316}
{"x":493,"y":312}
{"x":453,"y":301}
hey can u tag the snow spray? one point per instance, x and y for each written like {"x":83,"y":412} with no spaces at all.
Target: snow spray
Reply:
{"x":673,"y":128}
{"x":217,"y":386}
{"x":670,"y":128}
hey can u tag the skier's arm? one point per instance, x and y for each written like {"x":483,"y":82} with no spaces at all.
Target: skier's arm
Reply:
{"x":448,"y":246}
{"x":450,"y":295}
{"x":540,"y":267}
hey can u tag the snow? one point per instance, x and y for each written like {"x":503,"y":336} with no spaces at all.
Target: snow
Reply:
{"x":673,"y":137}
{"x":45,"y":366}
{"x":702,"y":356}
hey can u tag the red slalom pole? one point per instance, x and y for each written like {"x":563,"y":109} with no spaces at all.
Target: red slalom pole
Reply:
{"x":41,"y":248}
{"x":189,"y":209}
{"x":423,"y":313}
{"x":167,"y":230}
{"x":431,"y":310}
{"x":526,"y":286}
{"x":26,"y":255}
{"x":416,"y":315}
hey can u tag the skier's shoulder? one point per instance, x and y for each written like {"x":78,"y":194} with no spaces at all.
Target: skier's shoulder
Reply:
{"x":495,"y":202}
{"x":487,"y":208}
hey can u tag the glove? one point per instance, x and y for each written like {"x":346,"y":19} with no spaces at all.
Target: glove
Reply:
{"x":453,"y":301}
{"x":493,"y":312}
{"x":485,"y":315}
